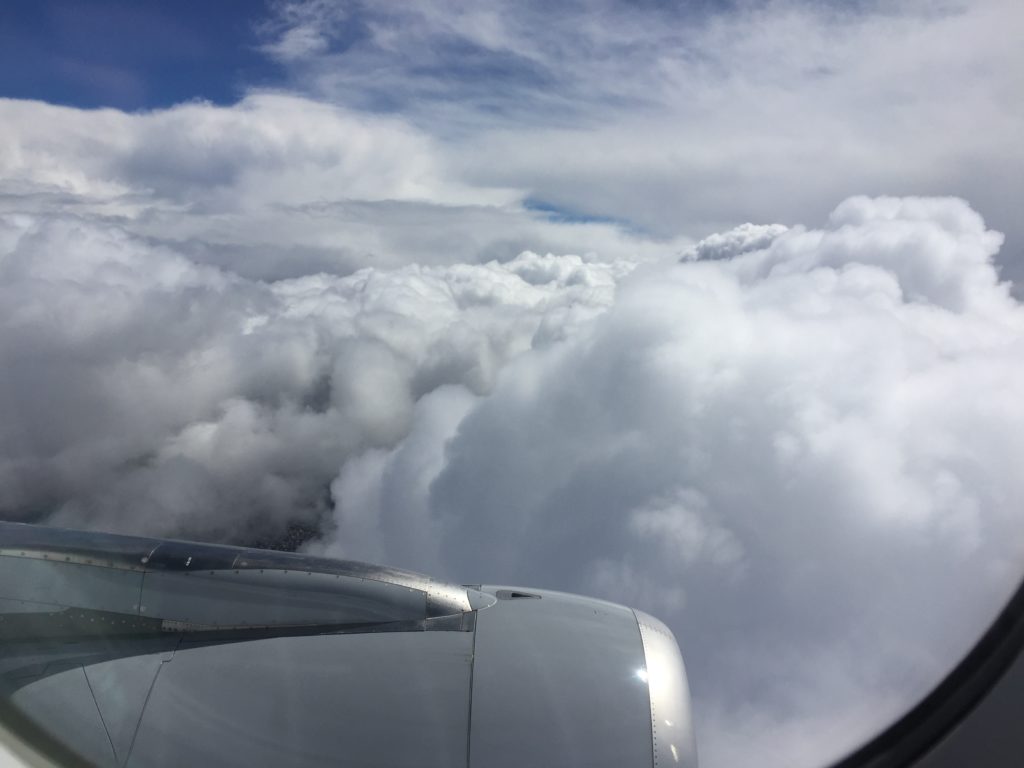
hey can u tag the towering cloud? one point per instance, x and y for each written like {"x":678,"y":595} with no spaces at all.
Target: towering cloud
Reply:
{"x":145,"y":392}
{"x":797,"y":445}
{"x":801,"y":454}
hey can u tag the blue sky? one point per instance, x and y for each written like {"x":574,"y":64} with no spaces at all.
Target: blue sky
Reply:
{"x":132,"y":55}
{"x":142,"y":55}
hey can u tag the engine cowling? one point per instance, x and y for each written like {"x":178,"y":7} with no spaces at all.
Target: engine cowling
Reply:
{"x":128,"y":651}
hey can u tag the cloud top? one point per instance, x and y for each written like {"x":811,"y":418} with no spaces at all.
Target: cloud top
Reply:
{"x":800,"y":455}
{"x":796,"y":445}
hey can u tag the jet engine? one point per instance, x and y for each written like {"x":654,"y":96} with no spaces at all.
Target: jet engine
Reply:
{"x":133,"y":652}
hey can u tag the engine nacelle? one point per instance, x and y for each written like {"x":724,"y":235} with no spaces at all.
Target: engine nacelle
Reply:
{"x":128,"y":651}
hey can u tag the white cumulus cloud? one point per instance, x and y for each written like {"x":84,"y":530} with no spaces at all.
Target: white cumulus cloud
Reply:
{"x":802,"y":456}
{"x":145,"y":392}
{"x":280,"y":186}
{"x":796,"y":444}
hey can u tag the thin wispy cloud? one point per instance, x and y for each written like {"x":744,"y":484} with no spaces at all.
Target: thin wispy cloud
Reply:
{"x":690,"y":119}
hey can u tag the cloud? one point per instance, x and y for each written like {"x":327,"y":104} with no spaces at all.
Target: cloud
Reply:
{"x":269,"y":147}
{"x":146,"y":392}
{"x":693,"y":118}
{"x":298,"y":31}
{"x":741,"y":239}
{"x":800,"y":455}
{"x":279,"y":186}
{"x":445,"y":301}
{"x":796,"y":445}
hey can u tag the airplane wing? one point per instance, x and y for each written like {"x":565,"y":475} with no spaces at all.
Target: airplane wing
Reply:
{"x":134,"y":652}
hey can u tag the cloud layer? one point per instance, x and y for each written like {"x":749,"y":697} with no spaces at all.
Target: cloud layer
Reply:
{"x":146,"y":392}
{"x":500,"y":292}
{"x":688,"y":118}
{"x":802,"y":455}
{"x":795,"y":445}
{"x":280,"y":186}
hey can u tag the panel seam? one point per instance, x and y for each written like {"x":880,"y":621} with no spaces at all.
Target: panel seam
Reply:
{"x":650,"y":701}
{"x":469,"y":715}
{"x":149,"y":693}
{"x":99,"y":712}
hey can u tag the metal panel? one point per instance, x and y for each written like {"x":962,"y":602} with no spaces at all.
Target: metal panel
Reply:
{"x":88,"y":547}
{"x":69,"y":584}
{"x":671,"y":726}
{"x":32,"y":543}
{"x":23,"y":607}
{"x":268,"y":598}
{"x":557,"y":681}
{"x":399,"y":699}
